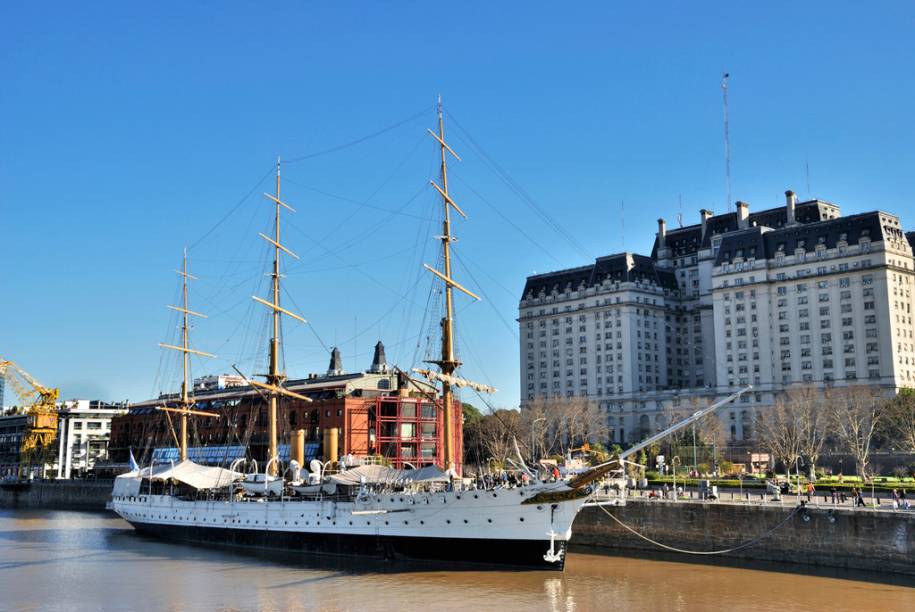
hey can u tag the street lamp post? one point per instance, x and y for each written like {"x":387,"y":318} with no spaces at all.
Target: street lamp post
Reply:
{"x":673,"y":464}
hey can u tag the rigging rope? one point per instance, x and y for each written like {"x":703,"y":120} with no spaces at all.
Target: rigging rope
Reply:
{"x":701,"y":552}
{"x":421,"y":113}
{"x":233,"y":209}
{"x":512,"y":184}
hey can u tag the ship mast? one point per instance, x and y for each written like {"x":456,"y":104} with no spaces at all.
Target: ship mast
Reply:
{"x":275,"y":377}
{"x":184,"y":407}
{"x":448,"y":363}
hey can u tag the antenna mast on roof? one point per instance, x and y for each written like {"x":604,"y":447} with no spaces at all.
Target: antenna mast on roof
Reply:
{"x":807,"y":169}
{"x":727,"y":141}
{"x":680,"y":213}
{"x":623,"y":225}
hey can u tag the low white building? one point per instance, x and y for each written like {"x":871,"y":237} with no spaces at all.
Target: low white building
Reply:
{"x":83,"y":432}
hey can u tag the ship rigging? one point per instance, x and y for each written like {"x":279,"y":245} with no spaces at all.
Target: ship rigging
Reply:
{"x":428,"y":514}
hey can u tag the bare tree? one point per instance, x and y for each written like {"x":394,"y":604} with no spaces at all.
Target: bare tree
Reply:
{"x":494,"y":435}
{"x":807,"y":405}
{"x":556,"y":425}
{"x":710,"y":430}
{"x":854,"y":414}
{"x":778,"y":429}
{"x":899,"y":425}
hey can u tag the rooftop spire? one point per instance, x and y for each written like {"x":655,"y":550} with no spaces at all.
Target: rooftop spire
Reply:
{"x":379,"y":362}
{"x":336,"y":363}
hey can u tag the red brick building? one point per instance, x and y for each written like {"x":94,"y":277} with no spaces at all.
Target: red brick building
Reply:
{"x":378,"y":413}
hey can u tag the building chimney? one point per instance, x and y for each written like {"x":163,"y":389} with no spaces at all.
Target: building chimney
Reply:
{"x":336,"y":363}
{"x":743,"y":215}
{"x":704,"y":215}
{"x":379,"y":363}
{"x":790,"y":205}
{"x":662,"y":233}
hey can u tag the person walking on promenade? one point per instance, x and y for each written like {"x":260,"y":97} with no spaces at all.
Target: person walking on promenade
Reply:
{"x":860,"y":499}
{"x":834,"y":496}
{"x":902,"y":500}
{"x":810,"y":491}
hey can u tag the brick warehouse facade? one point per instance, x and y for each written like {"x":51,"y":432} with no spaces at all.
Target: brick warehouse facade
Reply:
{"x":378,"y":412}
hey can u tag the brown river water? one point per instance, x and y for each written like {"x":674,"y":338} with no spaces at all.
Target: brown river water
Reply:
{"x":54,"y":560}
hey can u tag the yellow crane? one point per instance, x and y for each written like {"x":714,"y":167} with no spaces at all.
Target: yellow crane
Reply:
{"x":37,"y":445}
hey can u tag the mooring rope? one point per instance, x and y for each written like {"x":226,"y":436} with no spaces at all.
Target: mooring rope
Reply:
{"x":698,"y":552}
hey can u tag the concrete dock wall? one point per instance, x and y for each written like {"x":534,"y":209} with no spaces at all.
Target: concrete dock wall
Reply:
{"x":59,"y":494}
{"x":873,"y":540}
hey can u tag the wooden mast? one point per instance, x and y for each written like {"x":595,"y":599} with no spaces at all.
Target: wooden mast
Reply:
{"x":184,"y":408}
{"x":448,"y":363}
{"x":275,"y":378}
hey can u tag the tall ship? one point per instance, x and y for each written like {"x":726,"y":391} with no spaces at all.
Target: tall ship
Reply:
{"x":427,"y":513}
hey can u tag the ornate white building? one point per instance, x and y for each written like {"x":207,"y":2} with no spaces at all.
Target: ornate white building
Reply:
{"x":792,"y":295}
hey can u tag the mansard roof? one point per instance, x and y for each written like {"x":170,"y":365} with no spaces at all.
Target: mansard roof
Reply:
{"x":688,"y":240}
{"x":764,"y":243}
{"x":621,"y":267}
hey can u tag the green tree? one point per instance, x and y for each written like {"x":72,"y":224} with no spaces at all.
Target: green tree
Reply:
{"x":471,"y":413}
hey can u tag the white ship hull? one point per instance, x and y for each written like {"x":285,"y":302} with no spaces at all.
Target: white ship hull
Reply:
{"x":492,"y":528}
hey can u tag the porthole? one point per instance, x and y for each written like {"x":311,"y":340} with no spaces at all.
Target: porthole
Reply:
{"x":488,"y":520}
{"x":521,"y":519}
{"x":465,"y":521}
{"x":386,"y":523}
{"x":422,"y":522}
{"x":448,"y":521}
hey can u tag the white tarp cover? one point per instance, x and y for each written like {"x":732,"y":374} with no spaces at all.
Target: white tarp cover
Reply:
{"x":127,"y":485}
{"x":382,"y":474}
{"x":194,"y":475}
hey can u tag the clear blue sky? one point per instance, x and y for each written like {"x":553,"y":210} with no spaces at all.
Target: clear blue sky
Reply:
{"x":127,"y":132}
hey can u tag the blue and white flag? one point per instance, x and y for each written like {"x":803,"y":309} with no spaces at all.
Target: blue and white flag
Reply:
{"x":134,"y":466}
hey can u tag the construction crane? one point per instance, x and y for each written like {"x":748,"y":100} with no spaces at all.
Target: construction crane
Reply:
{"x":37,"y":444}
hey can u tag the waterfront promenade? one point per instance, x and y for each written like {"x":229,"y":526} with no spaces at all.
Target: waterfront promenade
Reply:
{"x":756,"y":529}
